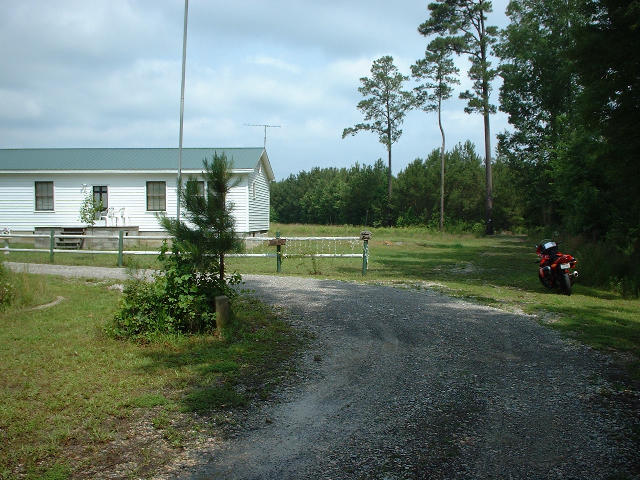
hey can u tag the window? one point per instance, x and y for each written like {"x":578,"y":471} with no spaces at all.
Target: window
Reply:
{"x":200,"y":187}
{"x":156,"y":196}
{"x":44,"y":196}
{"x":100,"y":195}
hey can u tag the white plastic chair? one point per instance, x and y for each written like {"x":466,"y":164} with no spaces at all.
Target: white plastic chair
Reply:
{"x":111,"y":217}
{"x":123,"y":216}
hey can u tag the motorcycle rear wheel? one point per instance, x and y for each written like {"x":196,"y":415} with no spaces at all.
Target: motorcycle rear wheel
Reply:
{"x":565,"y":284}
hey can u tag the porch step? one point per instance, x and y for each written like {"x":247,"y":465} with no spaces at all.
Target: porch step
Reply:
{"x":70,"y":243}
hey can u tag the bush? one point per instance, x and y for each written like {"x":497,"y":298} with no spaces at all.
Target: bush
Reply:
{"x":179,"y":300}
{"x":603,"y":265}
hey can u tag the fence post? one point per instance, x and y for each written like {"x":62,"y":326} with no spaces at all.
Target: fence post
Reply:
{"x":278,"y":255}
{"x":120,"y":248}
{"x":222,"y":314}
{"x":52,"y":244}
{"x":365,"y":236}
{"x":6,"y":246}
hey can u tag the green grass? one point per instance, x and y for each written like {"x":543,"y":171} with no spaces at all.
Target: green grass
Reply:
{"x":69,"y":394}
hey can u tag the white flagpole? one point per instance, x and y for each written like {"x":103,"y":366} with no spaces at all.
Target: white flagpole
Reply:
{"x":184,"y":61}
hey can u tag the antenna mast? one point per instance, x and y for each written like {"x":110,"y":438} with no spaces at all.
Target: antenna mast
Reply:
{"x":265,"y":129}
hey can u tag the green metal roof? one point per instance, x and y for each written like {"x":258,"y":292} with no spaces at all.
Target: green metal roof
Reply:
{"x":121,"y":158}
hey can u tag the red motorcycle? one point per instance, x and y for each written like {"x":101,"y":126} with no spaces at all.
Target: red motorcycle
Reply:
{"x":557,"y":270}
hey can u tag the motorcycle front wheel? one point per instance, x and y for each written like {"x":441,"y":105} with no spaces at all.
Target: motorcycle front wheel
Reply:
{"x":565,"y":284}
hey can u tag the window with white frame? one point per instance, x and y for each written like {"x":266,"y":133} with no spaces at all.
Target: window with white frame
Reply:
{"x":44,"y":196}
{"x":156,"y":196}
{"x":100,"y":195}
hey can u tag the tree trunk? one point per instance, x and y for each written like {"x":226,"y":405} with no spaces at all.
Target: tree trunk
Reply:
{"x":489,"y":178}
{"x":389,"y":190}
{"x":487,"y":136}
{"x":389,"y":172}
{"x":441,"y":165}
{"x":222,"y":267}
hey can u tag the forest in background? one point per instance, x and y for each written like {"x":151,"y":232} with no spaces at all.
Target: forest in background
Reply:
{"x":571,"y":88}
{"x":358,"y":195}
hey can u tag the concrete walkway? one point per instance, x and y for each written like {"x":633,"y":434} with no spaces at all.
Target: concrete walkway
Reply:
{"x":76,"y":271}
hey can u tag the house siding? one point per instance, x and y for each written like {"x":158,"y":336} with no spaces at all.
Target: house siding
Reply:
{"x":259,"y":205}
{"x":17,"y":199}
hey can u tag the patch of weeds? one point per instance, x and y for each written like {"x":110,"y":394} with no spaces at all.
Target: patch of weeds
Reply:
{"x":175,"y":437}
{"x":161,"y":421}
{"x":98,"y":434}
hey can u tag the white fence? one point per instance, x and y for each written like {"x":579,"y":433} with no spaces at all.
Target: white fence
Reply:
{"x":285,"y":247}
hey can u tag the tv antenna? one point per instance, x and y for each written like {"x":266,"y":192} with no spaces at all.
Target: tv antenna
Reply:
{"x":265,"y":125}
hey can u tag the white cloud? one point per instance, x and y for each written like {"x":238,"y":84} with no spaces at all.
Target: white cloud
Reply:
{"x":274,"y":62}
{"x":106,"y":73}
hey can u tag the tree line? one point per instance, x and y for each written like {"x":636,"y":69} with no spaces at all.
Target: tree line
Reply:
{"x":359,"y":195}
{"x":571,"y":89}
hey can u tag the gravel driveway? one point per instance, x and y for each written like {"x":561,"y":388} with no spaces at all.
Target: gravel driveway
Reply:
{"x":413,"y":384}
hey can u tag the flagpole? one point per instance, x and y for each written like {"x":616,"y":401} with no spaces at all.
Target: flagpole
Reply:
{"x":184,"y":61}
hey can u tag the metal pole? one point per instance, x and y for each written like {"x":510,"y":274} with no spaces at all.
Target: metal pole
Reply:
{"x":52,"y":243}
{"x":265,"y":130}
{"x":184,"y":61}
{"x":278,"y":255}
{"x":120,"y":247}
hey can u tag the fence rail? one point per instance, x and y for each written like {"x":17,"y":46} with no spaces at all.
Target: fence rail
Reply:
{"x":276,"y":241}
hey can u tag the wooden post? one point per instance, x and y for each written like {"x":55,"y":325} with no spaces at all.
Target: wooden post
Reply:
{"x":52,"y":244}
{"x":222,"y":313}
{"x":120,"y":248}
{"x":365,"y":236}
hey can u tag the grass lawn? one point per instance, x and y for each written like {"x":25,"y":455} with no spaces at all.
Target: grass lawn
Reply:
{"x":74,"y":401}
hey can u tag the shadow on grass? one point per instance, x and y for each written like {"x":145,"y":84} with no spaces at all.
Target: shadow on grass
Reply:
{"x":211,"y":373}
{"x":501,"y":263}
{"x":600,"y":327}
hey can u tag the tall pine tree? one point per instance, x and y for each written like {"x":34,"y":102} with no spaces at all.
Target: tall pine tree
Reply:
{"x":438,"y":72}
{"x":461,"y":24}
{"x":384,"y":106}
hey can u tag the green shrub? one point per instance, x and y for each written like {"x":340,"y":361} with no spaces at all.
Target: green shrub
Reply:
{"x":604,"y":264}
{"x":179,"y":300}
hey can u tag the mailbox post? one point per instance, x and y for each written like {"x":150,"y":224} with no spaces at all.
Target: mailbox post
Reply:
{"x":365,"y":236}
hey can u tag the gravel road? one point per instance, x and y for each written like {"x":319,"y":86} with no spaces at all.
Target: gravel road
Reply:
{"x":411,"y":384}
{"x":404,"y":384}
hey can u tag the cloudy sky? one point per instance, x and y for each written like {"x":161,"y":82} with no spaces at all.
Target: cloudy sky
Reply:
{"x":106,"y":73}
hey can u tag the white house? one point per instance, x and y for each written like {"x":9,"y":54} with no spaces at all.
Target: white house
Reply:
{"x":46,"y":187}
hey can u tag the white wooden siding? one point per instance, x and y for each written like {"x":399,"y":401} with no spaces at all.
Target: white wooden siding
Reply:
{"x":258,"y":204}
{"x":17,"y":199}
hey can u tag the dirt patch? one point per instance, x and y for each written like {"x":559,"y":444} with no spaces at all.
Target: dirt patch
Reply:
{"x":58,"y":300}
